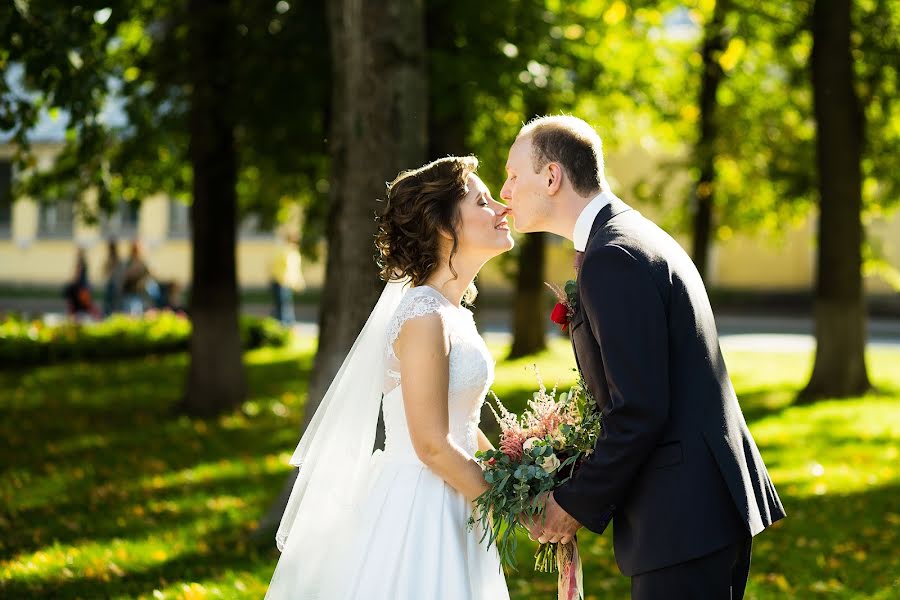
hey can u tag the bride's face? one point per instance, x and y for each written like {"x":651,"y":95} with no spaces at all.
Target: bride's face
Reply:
{"x":483,"y":229}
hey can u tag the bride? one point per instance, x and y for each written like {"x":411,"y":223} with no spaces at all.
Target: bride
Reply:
{"x":392,"y":525}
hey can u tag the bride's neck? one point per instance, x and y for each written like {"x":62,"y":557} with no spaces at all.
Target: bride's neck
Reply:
{"x":454,"y":287}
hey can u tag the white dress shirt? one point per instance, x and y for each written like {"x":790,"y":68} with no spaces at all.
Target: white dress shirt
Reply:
{"x":586,"y":219}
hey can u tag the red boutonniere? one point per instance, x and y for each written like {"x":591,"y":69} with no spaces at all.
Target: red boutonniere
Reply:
{"x":565,"y":308}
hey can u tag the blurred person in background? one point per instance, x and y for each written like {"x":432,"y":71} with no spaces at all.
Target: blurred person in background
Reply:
{"x":77,"y":292}
{"x":286,"y":278}
{"x":114,"y":271}
{"x":171,"y":297}
{"x":135,"y":280}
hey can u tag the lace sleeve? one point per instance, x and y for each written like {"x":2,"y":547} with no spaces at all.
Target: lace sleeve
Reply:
{"x":413,"y":306}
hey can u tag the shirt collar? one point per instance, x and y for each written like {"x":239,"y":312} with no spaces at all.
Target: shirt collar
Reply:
{"x":586,"y":219}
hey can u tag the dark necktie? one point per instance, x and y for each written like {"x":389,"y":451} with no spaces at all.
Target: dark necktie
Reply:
{"x":579,"y":258}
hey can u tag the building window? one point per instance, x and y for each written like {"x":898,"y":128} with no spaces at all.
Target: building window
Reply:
{"x":123,"y":222}
{"x":5,"y":199}
{"x":251,"y":226}
{"x":180,"y":223}
{"x":57,"y":219}
{"x":179,"y":219}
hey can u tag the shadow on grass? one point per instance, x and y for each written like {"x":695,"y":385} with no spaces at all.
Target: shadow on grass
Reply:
{"x":151,"y":384}
{"x":228,"y":551}
{"x":876,"y":392}
{"x":116,"y":409}
{"x":127,"y":509}
{"x":76,"y":455}
{"x":845,"y":541}
{"x":767,"y":401}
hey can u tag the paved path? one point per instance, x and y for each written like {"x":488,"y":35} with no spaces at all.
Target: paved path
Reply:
{"x":736,"y":332}
{"x":764,"y":334}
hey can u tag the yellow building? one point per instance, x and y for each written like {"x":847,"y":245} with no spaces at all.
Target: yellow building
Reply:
{"x":38,"y":241}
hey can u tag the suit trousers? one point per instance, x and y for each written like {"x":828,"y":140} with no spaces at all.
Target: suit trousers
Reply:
{"x":720,"y":575}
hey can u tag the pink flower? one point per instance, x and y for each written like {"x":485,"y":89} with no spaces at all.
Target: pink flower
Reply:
{"x":511,"y":443}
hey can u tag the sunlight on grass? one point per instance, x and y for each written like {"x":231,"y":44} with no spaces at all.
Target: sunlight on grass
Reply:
{"x":119,"y":498}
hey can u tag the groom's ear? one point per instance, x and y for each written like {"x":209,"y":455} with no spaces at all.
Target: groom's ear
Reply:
{"x":554,"y":178}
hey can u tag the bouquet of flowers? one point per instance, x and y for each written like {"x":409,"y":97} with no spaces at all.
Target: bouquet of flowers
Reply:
{"x":539,"y":450}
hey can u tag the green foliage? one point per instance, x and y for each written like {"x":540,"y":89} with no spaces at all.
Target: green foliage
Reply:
{"x":120,"y":498}
{"x":765,"y":149}
{"x":133,"y":53}
{"x":25,"y":342}
{"x":767,"y":105}
{"x":259,"y":332}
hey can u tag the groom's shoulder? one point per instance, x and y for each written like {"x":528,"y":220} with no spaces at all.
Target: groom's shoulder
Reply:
{"x":630,"y":241}
{"x":626,"y":233}
{"x":612,"y":258}
{"x":638,"y":235}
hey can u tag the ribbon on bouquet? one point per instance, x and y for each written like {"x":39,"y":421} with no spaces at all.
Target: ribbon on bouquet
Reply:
{"x":571,"y":579}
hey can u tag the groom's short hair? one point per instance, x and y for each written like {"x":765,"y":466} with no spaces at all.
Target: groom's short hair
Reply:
{"x":573,"y":144}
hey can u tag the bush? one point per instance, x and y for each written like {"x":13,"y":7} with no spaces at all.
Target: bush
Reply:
{"x":257,"y":332}
{"x":25,"y":343}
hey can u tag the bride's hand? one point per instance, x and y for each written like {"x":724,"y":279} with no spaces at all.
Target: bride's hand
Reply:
{"x":533,"y":527}
{"x":534,"y":524}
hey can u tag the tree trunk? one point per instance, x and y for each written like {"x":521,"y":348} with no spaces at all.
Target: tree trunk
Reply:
{"x":446,"y":137}
{"x":529,"y":310}
{"x":378,"y":128}
{"x":840,"y":317}
{"x":216,"y":381}
{"x":705,"y":154}
{"x":447,"y":104}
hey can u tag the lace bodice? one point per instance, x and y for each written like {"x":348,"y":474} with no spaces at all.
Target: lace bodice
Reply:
{"x":471,"y":372}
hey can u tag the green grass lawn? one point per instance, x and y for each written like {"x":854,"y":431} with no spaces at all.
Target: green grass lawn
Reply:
{"x":106,"y":494}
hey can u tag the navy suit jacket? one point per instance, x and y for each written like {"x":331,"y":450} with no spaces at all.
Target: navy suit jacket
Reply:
{"x":675,"y":468}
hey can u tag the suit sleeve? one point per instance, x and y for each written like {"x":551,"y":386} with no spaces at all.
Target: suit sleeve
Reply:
{"x":627,"y":317}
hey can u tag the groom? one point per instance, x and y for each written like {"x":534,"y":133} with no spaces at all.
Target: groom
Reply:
{"x":675,"y":469}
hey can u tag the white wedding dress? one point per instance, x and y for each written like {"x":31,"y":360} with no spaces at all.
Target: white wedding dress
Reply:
{"x":409,"y":538}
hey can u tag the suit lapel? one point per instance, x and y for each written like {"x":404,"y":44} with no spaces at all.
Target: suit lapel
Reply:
{"x":615,"y":207}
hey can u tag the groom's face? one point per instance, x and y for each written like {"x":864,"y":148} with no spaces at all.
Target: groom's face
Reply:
{"x":524,"y":190}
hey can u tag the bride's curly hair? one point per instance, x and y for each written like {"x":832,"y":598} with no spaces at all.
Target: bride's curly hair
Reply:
{"x":420,"y":204}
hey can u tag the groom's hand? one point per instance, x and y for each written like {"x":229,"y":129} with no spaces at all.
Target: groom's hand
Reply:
{"x":559,"y":526}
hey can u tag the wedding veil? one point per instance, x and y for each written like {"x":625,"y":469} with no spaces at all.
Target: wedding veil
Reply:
{"x":335,"y":450}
